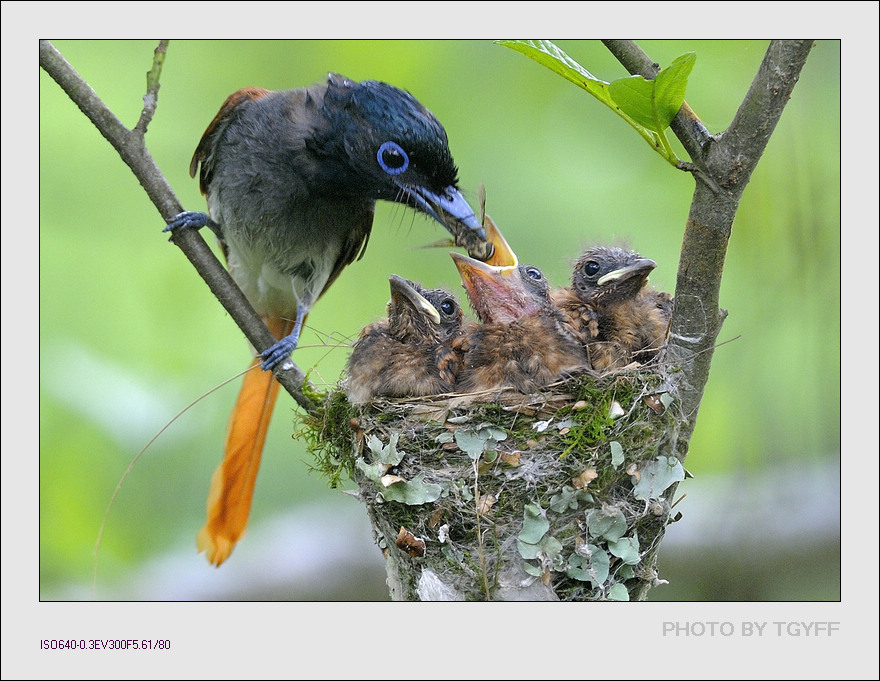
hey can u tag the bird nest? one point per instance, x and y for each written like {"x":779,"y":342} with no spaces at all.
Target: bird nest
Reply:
{"x":562,"y":494}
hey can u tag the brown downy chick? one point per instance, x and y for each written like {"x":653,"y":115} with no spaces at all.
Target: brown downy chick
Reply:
{"x":611,"y":310}
{"x":521,"y":342}
{"x":414,"y":352}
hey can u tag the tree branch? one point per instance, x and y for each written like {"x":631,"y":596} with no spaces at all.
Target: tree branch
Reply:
{"x":723,"y":164}
{"x":132,"y":150}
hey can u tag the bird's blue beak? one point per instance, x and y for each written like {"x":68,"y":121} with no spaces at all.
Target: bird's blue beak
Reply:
{"x":449,"y":208}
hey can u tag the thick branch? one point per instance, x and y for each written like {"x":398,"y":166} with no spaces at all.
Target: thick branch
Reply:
{"x":729,"y":162}
{"x":723,"y":165}
{"x":132,"y":150}
{"x":734,"y":157}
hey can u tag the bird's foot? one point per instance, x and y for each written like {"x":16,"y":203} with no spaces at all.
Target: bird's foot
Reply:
{"x":279,"y":352}
{"x":190,"y":219}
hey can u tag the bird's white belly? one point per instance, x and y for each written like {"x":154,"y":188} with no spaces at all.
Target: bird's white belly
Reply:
{"x":276,"y":292}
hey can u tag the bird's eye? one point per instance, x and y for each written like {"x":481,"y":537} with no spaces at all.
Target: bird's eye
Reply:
{"x":447,"y":306}
{"x":534,"y":273}
{"x":591,"y":268}
{"x":392,"y":158}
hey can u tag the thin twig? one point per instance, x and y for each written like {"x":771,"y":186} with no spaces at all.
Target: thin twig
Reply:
{"x":689,"y":129}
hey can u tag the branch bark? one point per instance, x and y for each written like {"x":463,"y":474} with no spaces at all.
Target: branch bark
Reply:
{"x":132,"y":150}
{"x":722,"y":166}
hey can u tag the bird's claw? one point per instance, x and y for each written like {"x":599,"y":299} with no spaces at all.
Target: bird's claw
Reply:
{"x":187,"y":219}
{"x":278,"y":353}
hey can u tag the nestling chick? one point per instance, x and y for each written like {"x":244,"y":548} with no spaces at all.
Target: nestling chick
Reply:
{"x":415,"y":351}
{"x":521,"y":342}
{"x":611,"y":310}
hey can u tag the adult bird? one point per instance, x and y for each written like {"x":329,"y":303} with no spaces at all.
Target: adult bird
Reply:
{"x":415,"y":351}
{"x":291,"y":179}
{"x":610,"y":308}
{"x":521,"y":342}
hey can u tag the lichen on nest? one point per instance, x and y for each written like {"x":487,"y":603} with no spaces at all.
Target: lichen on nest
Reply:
{"x":561,"y":494}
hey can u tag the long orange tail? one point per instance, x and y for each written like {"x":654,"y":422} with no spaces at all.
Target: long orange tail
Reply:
{"x":232,"y":485}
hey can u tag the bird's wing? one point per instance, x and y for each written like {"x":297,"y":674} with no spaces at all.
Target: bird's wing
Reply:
{"x":204,"y":152}
{"x":354,"y":244}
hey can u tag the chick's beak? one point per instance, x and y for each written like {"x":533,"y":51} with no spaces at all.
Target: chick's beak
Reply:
{"x":403,"y":293}
{"x":641,"y":268}
{"x":502,"y":255}
{"x":497,"y":293}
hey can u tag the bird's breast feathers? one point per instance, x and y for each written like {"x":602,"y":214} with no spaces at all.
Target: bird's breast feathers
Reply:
{"x":276,"y":284}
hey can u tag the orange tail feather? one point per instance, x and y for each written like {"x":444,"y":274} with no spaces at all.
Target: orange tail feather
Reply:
{"x":232,"y":485}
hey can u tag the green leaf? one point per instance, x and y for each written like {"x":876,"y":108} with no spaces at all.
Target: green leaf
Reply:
{"x":549,"y":55}
{"x":627,"y":549}
{"x":386,"y":454}
{"x":635,"y":96}
{"x":492,"y":433}
{"x":606,"y":522}
{"x":616,"y":453}
{"x":618,"y":592}
{"x":599,"y":564}
{"x":569,"y":498}
{"x":671,"y":84}
{"x":414,"y":492}
{"x":470,"y":442}
{"x":535,"y":524}
{"x":654,"y":103}
{"x":578,"y":568}
{"x":534,"y":570}
{"x":548,"y":548}
{"x":592,"y":568}
{"x":551,"y":547}
{"x":657,"y":476}
{"x":527,"y":551}
{"x":373,"y":471}
{"x":473,"y":441}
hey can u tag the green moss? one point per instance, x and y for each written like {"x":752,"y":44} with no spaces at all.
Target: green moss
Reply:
{"x":328,"y":435}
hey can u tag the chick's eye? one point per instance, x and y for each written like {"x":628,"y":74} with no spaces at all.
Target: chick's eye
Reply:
{"x":447,"y":307}
{"x":534,"y":273}
{"x":591,"y":268}
{"x":392,"y":158}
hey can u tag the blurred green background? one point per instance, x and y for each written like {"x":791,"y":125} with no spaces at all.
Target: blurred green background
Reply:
{"x":129,"y":334}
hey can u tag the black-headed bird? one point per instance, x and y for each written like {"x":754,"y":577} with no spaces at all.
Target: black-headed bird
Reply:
{"x":291,"y":179}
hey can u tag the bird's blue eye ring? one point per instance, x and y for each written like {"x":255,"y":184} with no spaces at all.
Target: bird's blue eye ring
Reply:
{"x":534,"y":273}
{"x":392,"y":158}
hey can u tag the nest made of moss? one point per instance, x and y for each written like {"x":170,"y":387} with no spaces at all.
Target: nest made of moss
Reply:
{"x":562,"y":494}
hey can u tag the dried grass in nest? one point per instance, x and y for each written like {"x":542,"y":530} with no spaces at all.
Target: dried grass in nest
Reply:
{"x":563,"y":494}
